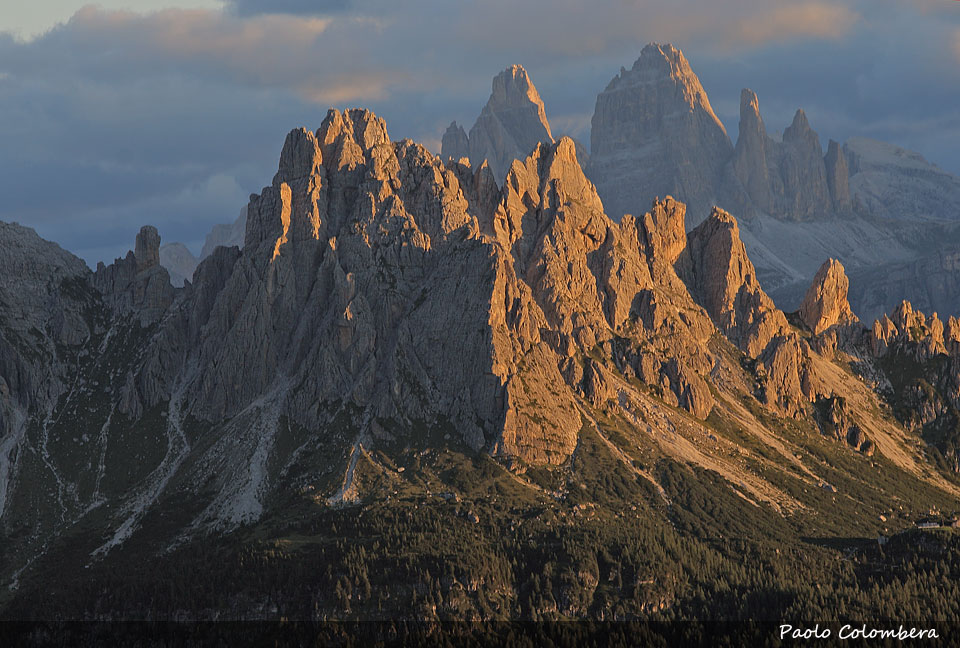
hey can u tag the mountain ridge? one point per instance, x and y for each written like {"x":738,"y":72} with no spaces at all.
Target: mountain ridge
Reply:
{"x":389,"y":310}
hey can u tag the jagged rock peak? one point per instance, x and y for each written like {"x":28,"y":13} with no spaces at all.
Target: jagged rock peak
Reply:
{"x":825,"y":303}
{"x":356,"y":125}
{"x":910,"y":331}
{"x":147,"y":249}
{"x":749,"y":105}
{"x":799,"y":126}
{"x":513,"y":88}
{"x":665,"y":228}
{"x":300,"y":156}
{"x":799,"y":130}
{"x":722,"y":276}
{"x":510,"y":125}
{"x":455,"y":144}
{"x":752,"y":131}
{"x":654,"y":133}
{"x":549,"y":177}
{"x":664,"y":61}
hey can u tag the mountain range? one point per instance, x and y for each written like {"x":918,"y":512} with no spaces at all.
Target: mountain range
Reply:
{"x":422,"y":391}
{"x":887,"y":214}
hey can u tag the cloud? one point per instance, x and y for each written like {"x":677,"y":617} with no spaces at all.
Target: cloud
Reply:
{"x":117,"y":118}
{"x":295,"y":7}
{"x":264,"y":51}
{"x":807,"y":20}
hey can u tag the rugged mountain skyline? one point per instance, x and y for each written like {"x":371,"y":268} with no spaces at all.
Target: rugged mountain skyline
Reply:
{"x":890,"y":216}
{"x":215,"y":113}
{"x":414,"y":396}
{"x":327,"y":338}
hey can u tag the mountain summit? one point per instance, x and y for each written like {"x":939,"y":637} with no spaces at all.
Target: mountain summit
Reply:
{"x":654,"y":133}
{"x":512,"y":123}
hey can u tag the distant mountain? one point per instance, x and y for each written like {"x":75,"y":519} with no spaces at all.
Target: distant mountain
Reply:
{"x":225,"y":235}
{"x":654,"y":134}
{"x":415,"y":395}
{"x":511,"y":124}
{"x":892,"y":218}
{"x":179,"y":260}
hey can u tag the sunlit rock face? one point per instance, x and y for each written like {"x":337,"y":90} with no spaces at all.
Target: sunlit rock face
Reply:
{"x":825,"y":303}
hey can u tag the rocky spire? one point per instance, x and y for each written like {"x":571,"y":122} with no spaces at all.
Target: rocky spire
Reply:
{"x":509,"y":127}
{"x":786,"y":179}
{"x":137,"y":283}
{"x":724,"y":281}
{"x":147,"y":249}
{"x":655,"y":133}
{"x":838,"y":177}
{"x":825,"y":303}
{"x":455,"y":144}
{"x":804,"y":173}
{"x":750,"y":163}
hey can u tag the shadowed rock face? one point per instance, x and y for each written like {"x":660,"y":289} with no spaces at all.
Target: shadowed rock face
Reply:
{"x":511,"y":124}
{"x":725,"y":282}
{"x":787,"y":179}
{"x":654,"y":133}
{"x":138,"y":284}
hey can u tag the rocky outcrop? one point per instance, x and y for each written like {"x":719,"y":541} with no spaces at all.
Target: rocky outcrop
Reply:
{"x":654,"y":133}
{"x":838,"y":422}
{"x":137,"y":284}
{"x":787,"y":375}
{"x":512,"y":123}
{"x":825,"y":304}
{"x":909,"y":331}
{"x":724,"y":281}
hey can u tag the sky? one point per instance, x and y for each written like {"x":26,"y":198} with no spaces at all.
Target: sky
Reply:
{"x":172,"y":112}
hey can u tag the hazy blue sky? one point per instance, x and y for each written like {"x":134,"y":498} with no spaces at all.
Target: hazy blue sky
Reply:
{"x":172,"y":113}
